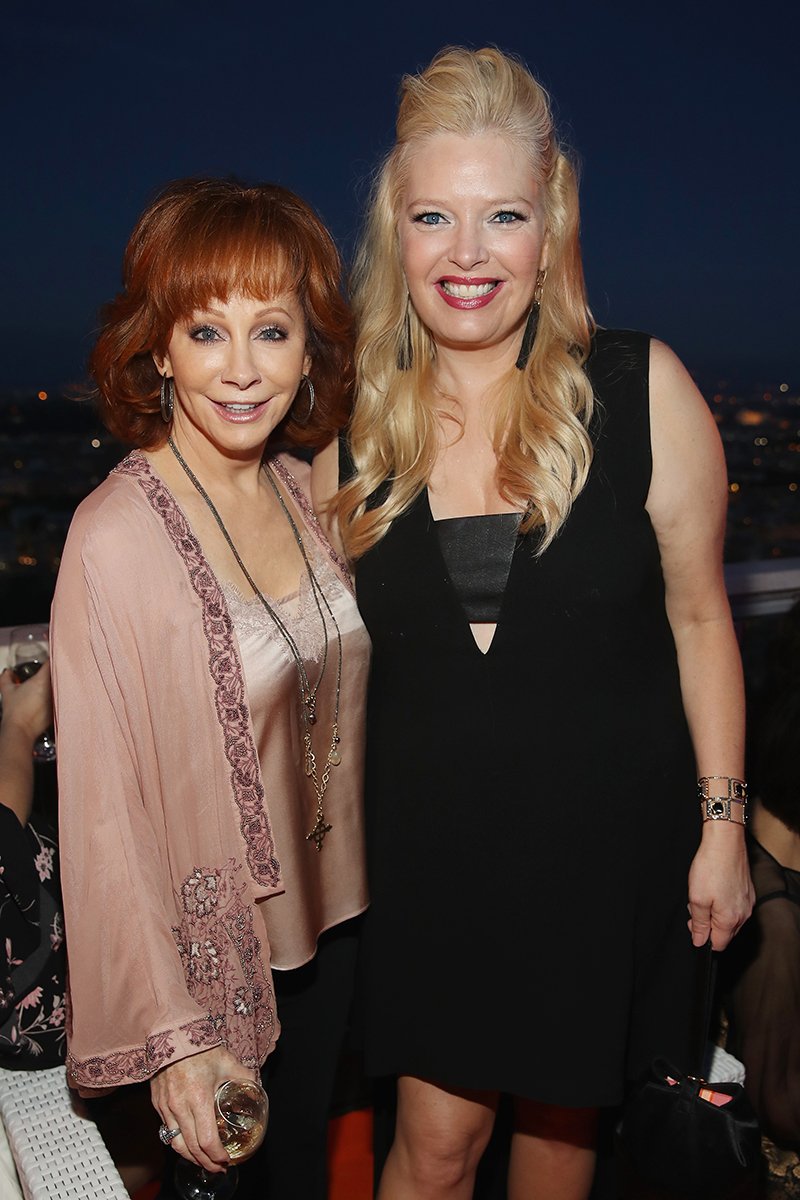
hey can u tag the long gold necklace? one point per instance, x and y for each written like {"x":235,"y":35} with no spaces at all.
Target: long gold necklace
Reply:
{"x":308,"y":693}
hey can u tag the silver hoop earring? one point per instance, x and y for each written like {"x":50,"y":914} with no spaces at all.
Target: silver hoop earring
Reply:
{"x":167,"y":397}
{"x":312,"y":399}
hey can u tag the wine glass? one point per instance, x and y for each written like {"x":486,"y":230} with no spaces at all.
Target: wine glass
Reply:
{"x":29,"y":647}
{"x":242,"y":1108}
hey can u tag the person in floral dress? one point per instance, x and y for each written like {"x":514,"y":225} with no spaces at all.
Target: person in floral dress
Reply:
{"x":33,"y":964}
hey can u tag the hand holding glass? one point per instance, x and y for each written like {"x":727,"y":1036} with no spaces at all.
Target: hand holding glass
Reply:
{"x":242,"y":1108}
{"x":29,"y":647}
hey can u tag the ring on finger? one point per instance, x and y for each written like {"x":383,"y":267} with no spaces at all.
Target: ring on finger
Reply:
{"x":167,"y":1135}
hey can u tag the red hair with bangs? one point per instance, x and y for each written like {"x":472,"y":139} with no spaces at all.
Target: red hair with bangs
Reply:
{"x":208,"y":239}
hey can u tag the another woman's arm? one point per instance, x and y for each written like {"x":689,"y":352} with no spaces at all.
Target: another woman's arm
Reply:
{"x":27,"y":712}
{"x":687,"y":505}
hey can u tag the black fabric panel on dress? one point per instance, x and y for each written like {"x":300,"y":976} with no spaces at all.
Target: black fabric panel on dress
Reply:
{"x":530,"y":811}
{"x":477,"y":552}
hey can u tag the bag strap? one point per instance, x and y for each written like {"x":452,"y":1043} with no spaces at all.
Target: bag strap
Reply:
{"x":704,"y":1003}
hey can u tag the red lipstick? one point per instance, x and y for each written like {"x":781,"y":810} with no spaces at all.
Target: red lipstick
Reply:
{"x":490,"y":288}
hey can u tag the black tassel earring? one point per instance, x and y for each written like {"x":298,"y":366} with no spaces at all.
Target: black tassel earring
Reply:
{"x":528,"y":336}
{"x":405,"y":349}
{"x":532,"y":323}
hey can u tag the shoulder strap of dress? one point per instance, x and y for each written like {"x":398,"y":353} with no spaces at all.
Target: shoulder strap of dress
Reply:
{"x":619,"y":371}
{"x":618,"y":356}
{"x":347,"y":468}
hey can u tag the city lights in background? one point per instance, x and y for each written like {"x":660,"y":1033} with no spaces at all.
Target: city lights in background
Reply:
{"x":53,"y":451}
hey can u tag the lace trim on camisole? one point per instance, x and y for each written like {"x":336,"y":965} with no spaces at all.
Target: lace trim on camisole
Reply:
{"x":298,"y":609}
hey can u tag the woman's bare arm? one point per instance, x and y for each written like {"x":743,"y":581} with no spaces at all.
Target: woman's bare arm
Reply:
{"x":687,"y":505}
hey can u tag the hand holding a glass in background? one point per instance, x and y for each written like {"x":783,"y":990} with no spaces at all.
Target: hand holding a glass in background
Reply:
{"x":26,"y":711}
{"x":29,"y":649}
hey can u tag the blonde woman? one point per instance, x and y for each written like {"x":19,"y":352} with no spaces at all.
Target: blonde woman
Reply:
{"x":536,"y":515}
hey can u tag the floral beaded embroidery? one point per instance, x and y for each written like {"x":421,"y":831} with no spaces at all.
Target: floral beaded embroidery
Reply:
{"x":217,"y":919}
{"x":200,"y":892}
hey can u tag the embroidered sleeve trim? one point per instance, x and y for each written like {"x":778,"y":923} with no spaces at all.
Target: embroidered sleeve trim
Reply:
{"x":134,"y":1065}
{"x":226,"y":673}
{"x":304,"y":504}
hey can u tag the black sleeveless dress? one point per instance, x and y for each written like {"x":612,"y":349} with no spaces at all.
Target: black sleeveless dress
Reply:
{"x":531,"y":811}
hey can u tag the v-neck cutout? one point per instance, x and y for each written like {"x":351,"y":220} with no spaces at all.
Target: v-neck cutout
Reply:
{"x":456,"y":599}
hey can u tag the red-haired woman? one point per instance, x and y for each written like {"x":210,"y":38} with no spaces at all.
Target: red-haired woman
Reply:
{"x":209,"y":667}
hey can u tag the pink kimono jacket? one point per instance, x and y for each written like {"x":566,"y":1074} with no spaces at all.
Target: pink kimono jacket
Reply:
{"x":166,"y":843}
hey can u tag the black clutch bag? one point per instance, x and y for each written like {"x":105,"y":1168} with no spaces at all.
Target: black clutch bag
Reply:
{"x":679,"y":1138}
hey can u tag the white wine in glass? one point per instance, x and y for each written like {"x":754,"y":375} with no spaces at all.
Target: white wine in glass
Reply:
{"x":242,"y":1110}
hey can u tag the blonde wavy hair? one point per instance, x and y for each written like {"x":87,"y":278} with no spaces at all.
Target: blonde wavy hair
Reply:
{"x":543,"y":412}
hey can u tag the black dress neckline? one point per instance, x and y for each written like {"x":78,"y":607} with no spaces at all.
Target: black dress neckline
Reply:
{"x":477,"y":552}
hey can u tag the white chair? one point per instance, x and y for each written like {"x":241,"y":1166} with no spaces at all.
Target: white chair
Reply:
{"x":57,"y":1147}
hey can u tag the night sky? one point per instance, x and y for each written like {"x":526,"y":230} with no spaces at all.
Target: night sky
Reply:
{"x":686,"y":119}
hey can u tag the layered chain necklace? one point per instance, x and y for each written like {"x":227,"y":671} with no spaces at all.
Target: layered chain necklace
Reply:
{"x":308,"y":691}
